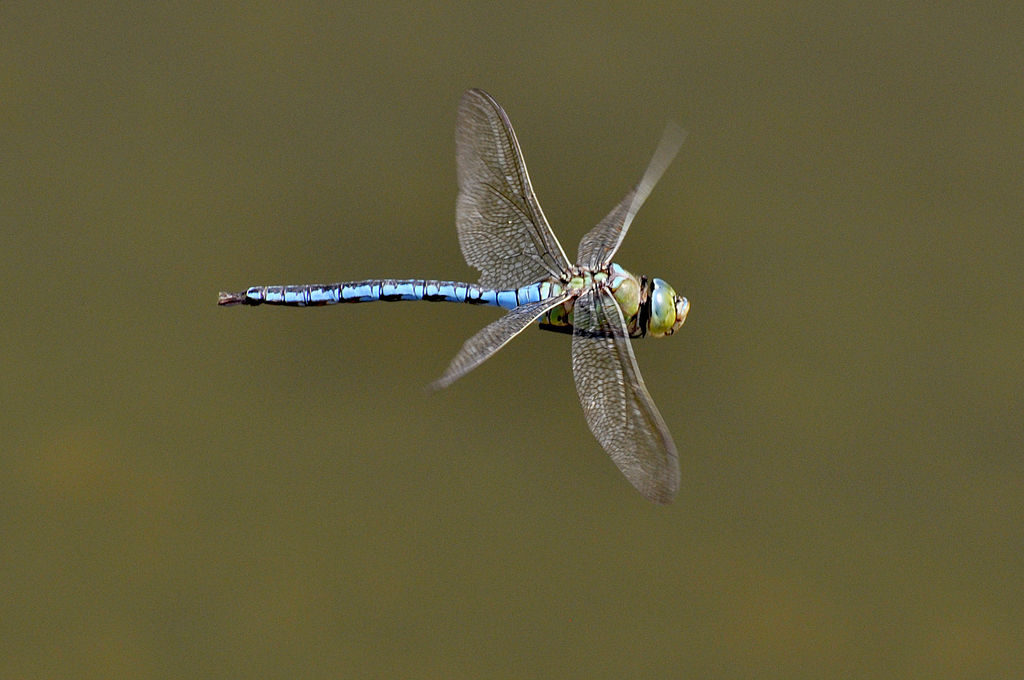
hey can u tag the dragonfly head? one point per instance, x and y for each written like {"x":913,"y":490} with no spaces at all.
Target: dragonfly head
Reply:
{"x":668,"y":309}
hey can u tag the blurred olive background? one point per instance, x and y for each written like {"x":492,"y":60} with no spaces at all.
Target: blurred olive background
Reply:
{"x":192,"y":491}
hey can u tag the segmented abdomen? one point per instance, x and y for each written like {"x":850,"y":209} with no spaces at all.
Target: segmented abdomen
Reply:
{"x":388,"y":290}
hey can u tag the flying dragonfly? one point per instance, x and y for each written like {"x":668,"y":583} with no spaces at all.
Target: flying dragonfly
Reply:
{"x":504,"y":234}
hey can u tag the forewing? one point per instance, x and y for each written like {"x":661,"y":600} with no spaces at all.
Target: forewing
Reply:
{"x":502,"y":229}
{"x":598,"y":246}
{"x":615,"y":401}
{"x":493,"y":337}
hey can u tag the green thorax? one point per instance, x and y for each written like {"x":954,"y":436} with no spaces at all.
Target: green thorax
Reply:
{"x":631,"y":292}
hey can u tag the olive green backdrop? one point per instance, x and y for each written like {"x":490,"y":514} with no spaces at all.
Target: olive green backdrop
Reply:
{"x":191,"y":491}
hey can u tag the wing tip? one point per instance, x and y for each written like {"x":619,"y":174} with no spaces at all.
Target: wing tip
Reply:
{"x":661,"y":495}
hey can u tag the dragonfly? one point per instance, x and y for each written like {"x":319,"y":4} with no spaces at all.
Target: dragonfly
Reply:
{"x":504,"y":234}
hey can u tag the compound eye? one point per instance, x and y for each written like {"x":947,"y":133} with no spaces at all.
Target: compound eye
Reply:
{"x":663,"y":309}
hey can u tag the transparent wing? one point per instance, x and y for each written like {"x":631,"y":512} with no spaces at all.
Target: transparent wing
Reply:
{"x":598,"y":246}
{"x":617,"y":406}
{"x":493,"y":337}
{"x":502,"y":229}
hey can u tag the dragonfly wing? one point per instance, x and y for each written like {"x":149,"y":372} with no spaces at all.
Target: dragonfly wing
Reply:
{"x":502,"y":229}
{"x":617,"y":406}
{"x":493,"y":337}
{"x":598,"y":246}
